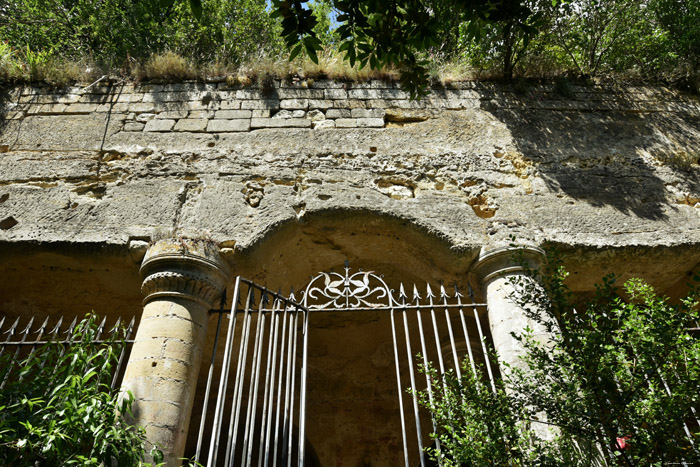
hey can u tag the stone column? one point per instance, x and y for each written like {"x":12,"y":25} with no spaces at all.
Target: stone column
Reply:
{"x":495,"y":269}
{"x":182,"y":281}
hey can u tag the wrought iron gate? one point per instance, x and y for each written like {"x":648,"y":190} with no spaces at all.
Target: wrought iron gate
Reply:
{"x":269,"y":332}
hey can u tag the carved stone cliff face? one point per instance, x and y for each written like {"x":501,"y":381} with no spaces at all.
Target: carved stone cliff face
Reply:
{"x":297,"y":178}
{"x":612,"y":176}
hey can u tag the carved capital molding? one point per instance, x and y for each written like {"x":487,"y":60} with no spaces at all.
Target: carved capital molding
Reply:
{"x":501,"y":262}
{"x":188,"y":269}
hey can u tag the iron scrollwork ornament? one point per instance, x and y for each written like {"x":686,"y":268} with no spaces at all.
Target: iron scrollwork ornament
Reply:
{"x":333,"y":290}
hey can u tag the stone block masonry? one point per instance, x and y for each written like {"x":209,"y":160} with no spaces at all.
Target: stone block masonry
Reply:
{"x":219,"y":108}
{"x":296,"y":177}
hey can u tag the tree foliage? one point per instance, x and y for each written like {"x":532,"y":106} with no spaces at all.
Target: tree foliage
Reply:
{"x":393,"y":33}
{"x":617,"y":380}
{"x":113,"y":33}
{"x":651,"y":37}
{"x":647,"y":39}
{"x":57,"y":406}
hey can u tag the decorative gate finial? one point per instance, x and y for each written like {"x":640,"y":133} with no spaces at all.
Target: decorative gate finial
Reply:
{"x":332,"y":290}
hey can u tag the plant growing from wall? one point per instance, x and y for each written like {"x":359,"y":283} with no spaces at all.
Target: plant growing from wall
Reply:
{"x":57,"y":406}
{"x":618,"y":380}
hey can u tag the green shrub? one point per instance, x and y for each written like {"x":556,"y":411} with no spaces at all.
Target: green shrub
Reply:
{"x":57,"y":406}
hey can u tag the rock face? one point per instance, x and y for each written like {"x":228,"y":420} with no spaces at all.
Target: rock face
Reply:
{"x":469,"y":166}
{"x":294,"y":178}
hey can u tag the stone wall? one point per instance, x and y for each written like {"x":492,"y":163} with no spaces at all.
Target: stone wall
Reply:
{"x":608,"y":173}
{"x":295,"y":178}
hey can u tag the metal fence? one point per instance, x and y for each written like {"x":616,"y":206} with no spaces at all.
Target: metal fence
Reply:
{"x":19,"y":341}
{"x":430,"y":327}
{"x":254,"y":406}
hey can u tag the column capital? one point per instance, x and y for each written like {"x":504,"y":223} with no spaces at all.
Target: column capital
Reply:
{"x":498,"y":262}
{"x":184,"y":268}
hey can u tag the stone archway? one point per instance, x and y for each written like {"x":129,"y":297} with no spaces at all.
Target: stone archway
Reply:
{"x":353,"y":415}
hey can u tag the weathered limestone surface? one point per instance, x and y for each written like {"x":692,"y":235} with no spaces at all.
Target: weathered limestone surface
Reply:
{"x":295,"y":178}
{"x":602,"y":171}
{"x":182,"y":281}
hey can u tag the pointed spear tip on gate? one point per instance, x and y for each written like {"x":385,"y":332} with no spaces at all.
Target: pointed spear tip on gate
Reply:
{"x":116,"y":325}
{"x":43,"y":325}
{"x":429,"y":291}
{"x":471,"y":291}
{"x":458,"y":294}
{"x":14,"y":325}
{"x":416,"y":295}
{"x":57,"y":327}
{"x":402,"y":291}
{"x":29,"y":325}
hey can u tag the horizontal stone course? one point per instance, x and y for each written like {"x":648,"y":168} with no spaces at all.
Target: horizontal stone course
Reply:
{"x":280,"y":123}
{"x":223,"y":126}
{"x":286,"y":93}
{"x":294,"y":104}
{"x":159,"y":125}
{"x":338,"y":113}
{"x":318,"y":104}
{"x":367,"y":113}
{"x":232,"y":114}
{"x":191,"y":124}
{"x":260,"y":104}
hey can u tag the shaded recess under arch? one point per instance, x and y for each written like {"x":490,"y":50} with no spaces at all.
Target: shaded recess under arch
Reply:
{"x":353,"y":408}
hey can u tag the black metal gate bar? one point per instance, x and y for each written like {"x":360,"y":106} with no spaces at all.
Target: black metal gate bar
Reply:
{"x":27,"y":341}
{"x":426,"y":362}
{"x":261,"y":402}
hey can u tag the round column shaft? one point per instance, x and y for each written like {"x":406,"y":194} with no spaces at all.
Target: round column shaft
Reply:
{"x":496,"y":270}
{"x":182,"y":281}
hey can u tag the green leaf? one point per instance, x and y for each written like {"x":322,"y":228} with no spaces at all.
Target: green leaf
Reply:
{"x":311,"y":51}
{"x":196,"y":8}
{"x":157,"y":455}
{"x":295,"y":51}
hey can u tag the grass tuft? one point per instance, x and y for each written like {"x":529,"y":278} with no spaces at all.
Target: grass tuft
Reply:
{"x":166,"y":66}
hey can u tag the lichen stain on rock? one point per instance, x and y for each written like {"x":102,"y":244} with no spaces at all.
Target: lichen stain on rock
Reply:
{"x":254,"y":193}
{"x":481,"y":207}
{"x":521,"y":165}
{"x":467,"y":183}
{"x":689,"y":200}
{"x":396,"y":188}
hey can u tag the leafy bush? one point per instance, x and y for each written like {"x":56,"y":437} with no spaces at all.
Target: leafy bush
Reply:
{"x":57,"y":406}
{"x":618,"y":379}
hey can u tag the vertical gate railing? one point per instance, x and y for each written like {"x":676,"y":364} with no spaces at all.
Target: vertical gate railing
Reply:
{"x":259,"y":399}
{"x":19,"y":341}
{"x":441,"y":330}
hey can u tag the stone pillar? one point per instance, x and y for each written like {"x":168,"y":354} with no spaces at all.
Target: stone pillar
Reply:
{"x":494,"y":271}
{"x":182,"y":281}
